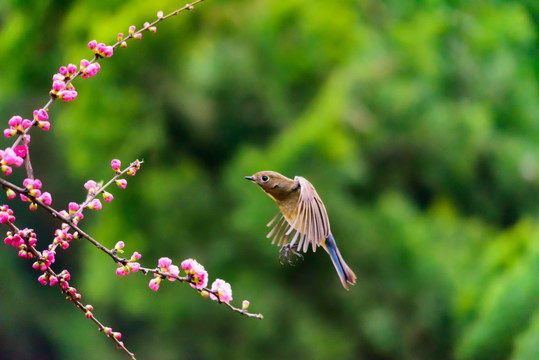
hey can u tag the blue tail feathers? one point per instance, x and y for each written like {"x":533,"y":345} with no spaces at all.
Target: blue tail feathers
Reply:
{"x":346,"y":275}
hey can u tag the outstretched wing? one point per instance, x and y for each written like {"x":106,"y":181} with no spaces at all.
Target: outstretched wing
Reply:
{"x":311,"y":223}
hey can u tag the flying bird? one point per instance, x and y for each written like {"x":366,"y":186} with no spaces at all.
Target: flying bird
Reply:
{"x":303,"y":221}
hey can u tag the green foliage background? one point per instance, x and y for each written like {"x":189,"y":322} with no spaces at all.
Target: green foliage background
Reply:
{"x":417,"y":121}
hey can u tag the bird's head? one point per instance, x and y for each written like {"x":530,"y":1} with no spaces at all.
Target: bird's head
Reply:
{"x":273,"y":183}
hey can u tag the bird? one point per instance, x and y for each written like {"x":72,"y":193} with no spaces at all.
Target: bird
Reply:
{"x":303,"y":214}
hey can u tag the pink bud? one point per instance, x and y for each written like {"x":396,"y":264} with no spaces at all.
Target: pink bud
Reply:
{"x":135,"y":266}
{"x":95,"y":205}
{"x":122,"y":183}
{"x":92,"y":44}
{"x":159,"y":14}
{"x":154,"y":284}
{"x":6,"y":169}
{"x":73,"y":207}
{"x":109,"y":51}
{"x":42,"y":279}
{"x":8,"y":133}
{"x":37,"y":184}
{"x":132,"y":29}
{"x":107,"y":196}
{"x":68,"y":95}
{"x":58,"y":85}
{"x":71,"y":68}
{"x":26,"y":123}
{"x":63,"y":70}
{"x":41,"y":114}
{"x":45,"y":125}
{"x":115,"y":164}
{"x":10,"y":194}
{"x":15,"y":120}
{"x":46,"y":198}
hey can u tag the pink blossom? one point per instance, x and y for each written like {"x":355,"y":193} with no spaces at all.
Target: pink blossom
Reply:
{"x":6,"y":214}
{"x":165,"y":265}
{"x":41,"y":115}
{"x":92,"y":69}
{"x":135,"y":266}
{"x":223,"y":291}
{"x":68,"y":95}
{"x":195,"y":273}
{"x":90,"y":185}
{"x":11,"y":158}
{"x":122,"y":183}
{"x":21,"y":150}
{"x":154,"y":283}
{"x":92,"y":44}
{"x":115,"y":164}
{"x":63,"y":70}
{"x":58,"y":77}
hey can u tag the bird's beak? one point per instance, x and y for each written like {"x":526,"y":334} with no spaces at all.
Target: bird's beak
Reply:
{"x":250,"y":178}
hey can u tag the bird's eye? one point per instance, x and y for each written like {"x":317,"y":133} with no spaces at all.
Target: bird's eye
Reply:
{"x":265,"y":178}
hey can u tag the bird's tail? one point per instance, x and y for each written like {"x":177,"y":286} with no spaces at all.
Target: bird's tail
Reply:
{"x":346,"y":275}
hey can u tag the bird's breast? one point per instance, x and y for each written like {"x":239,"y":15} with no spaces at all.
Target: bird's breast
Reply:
{"x":289,"y":207}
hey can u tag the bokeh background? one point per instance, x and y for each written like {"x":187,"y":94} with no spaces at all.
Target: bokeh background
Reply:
{"x":417,"y":121}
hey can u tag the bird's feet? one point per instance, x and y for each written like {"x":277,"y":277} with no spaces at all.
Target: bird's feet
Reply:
{"x":289,"y":254}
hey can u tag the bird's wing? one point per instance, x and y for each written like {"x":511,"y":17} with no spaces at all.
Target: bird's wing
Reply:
{"x":311,"y":223}
{"x":279,"y":232}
